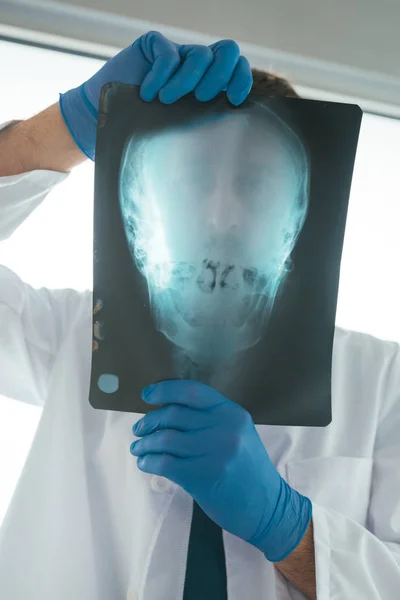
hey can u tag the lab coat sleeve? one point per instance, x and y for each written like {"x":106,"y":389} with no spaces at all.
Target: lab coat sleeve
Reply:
{"x":33,"y":322}
{"x":363,"y":563}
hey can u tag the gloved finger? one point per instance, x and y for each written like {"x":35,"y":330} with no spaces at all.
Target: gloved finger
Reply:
{"x":183,"y":391}
{"x":165,"y":465}
{"x":172,"y":416}
{"x":169,"y":441}
{"x":241,"y":82}
{"x":165,"y":58}
{"x":226,"y":56}
{"x":197,"y":59}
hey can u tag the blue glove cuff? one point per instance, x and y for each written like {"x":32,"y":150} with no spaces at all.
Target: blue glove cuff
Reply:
{"x":287,"y":527}
{"x":81,"y":119}
{"x":300,"y":533}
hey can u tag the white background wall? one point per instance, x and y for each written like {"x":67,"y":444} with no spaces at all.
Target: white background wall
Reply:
{"x":358,"y":33}
{"x":347,"y":46}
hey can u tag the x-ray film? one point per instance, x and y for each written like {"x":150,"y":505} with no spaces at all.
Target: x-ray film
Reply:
{"x":218,"y":234}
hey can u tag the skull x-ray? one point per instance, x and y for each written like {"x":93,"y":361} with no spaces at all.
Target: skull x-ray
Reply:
{"x":218,"y":238}
{"x":211,"y":214}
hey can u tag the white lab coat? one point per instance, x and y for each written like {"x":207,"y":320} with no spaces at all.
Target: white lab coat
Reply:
{"x":86,"y":524}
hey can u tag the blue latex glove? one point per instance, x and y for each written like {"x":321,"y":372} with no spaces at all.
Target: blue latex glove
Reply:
{"x":210,"y":447}
{"x":159,"y":67}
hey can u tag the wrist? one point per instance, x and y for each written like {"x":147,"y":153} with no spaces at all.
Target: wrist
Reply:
{"x":287,"y":525}
{"x":80,"y":118}
{"x":297,"y":534}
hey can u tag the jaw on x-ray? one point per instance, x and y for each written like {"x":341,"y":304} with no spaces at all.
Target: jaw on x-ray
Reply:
{"x":211,"y":213}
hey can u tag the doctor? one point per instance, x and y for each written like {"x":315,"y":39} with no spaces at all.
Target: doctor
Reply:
{"x":205,"y":504}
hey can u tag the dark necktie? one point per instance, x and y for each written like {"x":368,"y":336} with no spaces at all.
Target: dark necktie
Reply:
{"x":205,"y":570}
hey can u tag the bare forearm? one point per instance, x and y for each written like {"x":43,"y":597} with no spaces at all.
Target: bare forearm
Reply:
{"x":299,"y":566}
{"x":41,"y":142}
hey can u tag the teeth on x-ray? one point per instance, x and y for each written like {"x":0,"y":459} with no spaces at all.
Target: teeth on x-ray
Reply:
{"x":249,"y":276}
{"x":182,"y":273}
{"x":208,"y":278}
{"x":228,"y":278}
{"x":214,"y":274}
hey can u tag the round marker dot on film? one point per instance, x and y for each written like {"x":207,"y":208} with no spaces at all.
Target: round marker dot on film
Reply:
{"x":108,"y":383}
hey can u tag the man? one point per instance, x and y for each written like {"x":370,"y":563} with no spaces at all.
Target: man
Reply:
{"x":88,"y":521}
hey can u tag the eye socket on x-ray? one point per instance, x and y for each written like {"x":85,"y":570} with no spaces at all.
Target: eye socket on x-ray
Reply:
{"x":252,"y":190}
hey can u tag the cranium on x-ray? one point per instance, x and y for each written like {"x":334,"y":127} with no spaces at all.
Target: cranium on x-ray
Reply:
{"x":211,"y":213}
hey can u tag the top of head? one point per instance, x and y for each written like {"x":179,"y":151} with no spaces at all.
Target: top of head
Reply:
{"x":272,"y":86}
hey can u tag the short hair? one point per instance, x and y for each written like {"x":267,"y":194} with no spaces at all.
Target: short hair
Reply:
{"x":269,"y":85}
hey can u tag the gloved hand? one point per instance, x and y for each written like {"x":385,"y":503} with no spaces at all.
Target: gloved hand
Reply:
{"x":209,"y":446}
{"x":159,"y":67}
